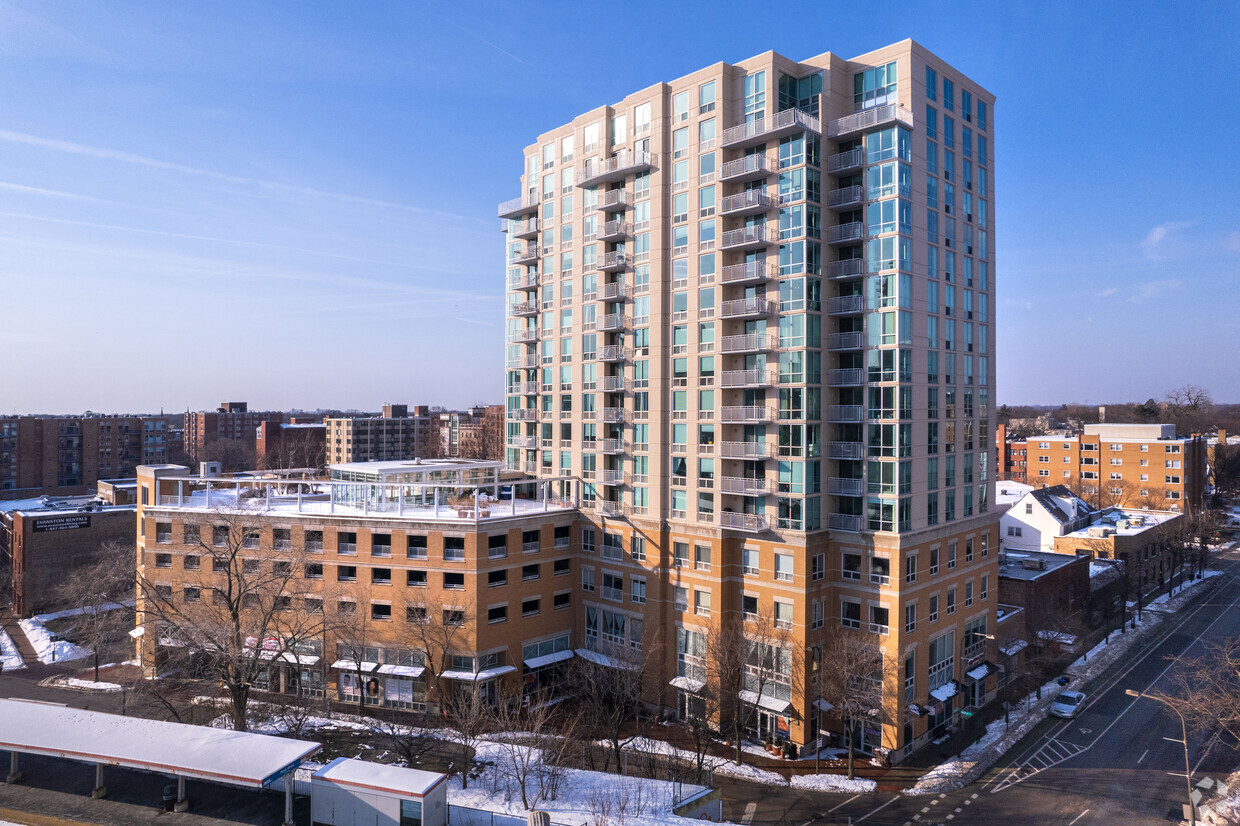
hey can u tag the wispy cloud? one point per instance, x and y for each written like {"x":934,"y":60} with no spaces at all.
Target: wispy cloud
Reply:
{"x":50,"y":193}
{"x":482,"y":39}
{"x":1153,"y":289}
{"x":1154,"y":245}
{"x":1108,"y":292}
{"x":69,"y":147}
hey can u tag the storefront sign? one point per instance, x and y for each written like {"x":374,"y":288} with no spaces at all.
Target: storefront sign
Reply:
{"x":61,"y":523}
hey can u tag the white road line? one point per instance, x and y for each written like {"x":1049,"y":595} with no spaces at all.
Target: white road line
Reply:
{"x":1078,"y":817}
{"x":880,"y":808}
{"x":845,"y":803}
{"x":1142,"y":757}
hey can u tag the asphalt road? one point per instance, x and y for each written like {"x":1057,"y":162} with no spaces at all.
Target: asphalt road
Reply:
{"x":1110,"y":765}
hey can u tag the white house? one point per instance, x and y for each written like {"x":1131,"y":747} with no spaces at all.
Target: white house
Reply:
{"x":1033,"y":522}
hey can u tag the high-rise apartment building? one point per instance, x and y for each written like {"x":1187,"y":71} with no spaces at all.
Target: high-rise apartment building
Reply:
{"x":751,"y":308}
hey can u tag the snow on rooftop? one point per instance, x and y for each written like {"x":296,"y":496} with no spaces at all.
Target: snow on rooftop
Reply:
{"x":379,"y":776}
{"x":238,"y":758}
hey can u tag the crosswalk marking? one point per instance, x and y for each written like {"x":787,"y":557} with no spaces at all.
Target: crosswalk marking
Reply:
{"x":1052,"y":753}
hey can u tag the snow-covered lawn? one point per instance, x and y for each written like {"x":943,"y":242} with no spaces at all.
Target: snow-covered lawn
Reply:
{"x":82,"y":685}
{"x":49,"y":650}
{"x":10,"y":659}
{"x":1027,"y":713}
{"x":832,"y":783}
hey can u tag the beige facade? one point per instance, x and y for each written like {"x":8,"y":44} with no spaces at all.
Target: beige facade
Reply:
{"x":392,"y":436}
{"x":751,"y":309}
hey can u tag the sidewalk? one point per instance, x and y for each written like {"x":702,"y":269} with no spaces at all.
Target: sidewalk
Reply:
{"x":9,"y":622}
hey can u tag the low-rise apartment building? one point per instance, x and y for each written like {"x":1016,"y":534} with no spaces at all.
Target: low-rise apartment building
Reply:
{"x":232,"y":421}
{"x":394,"y":435}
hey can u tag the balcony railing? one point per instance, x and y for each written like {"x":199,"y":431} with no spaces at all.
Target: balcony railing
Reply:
{"x":748,"y":308}
{"x":526,"y":362}
{"x":613,"y":384}
{"x":614,"y":230}
{"x":845,"y":487}
{"x":606,"y":507}
{"x":846,"y":377}
{"x":616,"y":291}
{"x":845,"y":233}
{"x":848,"y":268}
{"x":523,"y":442}
{"x":613,"y":446}
{"x":613,"y":322}
{"x":743,"y":203}
{"x":745,"y":450}
{"x":870,"y":119}
{"x":614,"y":352}
{"x":750,"y":522}
{"x":522,"y":229}
{"x":525,"y":414}
{"x":614,"y":261}
{"x":518,"y":206}
{"x":746,"y":415}
{"x":756,"y":377}
{"x":755,"y":236}
{"x":524,"y":335}
{"x":747,"y":168}
{"x":777,"y":126}
{"x":613,"y":414}
{"x":845,"y":450}
{"x":615,"y":168}
{"x":845,"y":161}
{"x":615,"y":200}
{"x":845,"y":413}
{"x":748,"y":272}
{"x":845,"y":341}
{"x":525,"y":388}
{"x":742,"y":486}
{"x":748,"y":343}
{"x":609,"y":477}
{"x":845,"y":304}
{"x":526,"y":308}
{"x":845,"y":197}
{"x":524,"y":281}
{"x":846,"y":522}
{"x":527,"y":255}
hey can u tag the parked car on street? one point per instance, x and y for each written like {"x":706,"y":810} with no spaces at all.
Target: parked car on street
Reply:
{"x":1068,"y":704}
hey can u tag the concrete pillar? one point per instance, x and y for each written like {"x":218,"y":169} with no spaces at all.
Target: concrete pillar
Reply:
{"x":288,"y":799}
{"x":100,"y":790}
{"x":15,"y":774}
{"x":182,"y":804}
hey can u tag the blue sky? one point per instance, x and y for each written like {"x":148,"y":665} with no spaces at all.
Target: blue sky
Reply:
{"x":294,"y":203}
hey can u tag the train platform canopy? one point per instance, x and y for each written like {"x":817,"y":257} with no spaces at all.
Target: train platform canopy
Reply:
{"x":218,"y":755}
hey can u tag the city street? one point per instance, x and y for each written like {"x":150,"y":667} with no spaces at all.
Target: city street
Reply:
{"x":1109,"y":765}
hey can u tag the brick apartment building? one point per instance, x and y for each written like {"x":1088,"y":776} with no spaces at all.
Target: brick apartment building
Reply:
{"x":393,"y":435}
{"x":233,"y":421}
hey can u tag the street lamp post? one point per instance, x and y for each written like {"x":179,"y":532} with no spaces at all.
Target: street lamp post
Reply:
{"x":1188,"y":780}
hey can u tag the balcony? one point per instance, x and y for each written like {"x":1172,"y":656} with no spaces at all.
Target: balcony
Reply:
{"x":615,"y":230}
{"x":748,"y":168}
{"x":517,"y":207}
{"x":756,"y":377}
{"x":745,"y":450}
{"x":609,"y":477}
{"x":522,"y":229}
{"x":845,"y":450}
{"x":845,"y":197}
{"x":892,"y":113}
{"x":845,"y":413}
{"x":749,"y":522}
{"x":605,"y":507}
{"x":528,"y":255}
{"x":525,"y":388}
{"x":750,"y":272}
{"x":845,"y":487}
{"x":746,"y":203}
{"x":749,"y":414}
{"x":525,"y":414}
{"x":527,"y":362}
{"x":523,"y":336}
{"x":748,"y":343}
{"x":526,"y":309}
{"x":613,"y":322}
{"x":849,"y":268}
{"x":846,"y":161}
{"x":615,"y":200}
{"x":613,"y":414}
{"x":760,"y":131}
{"x":846,"y":522}
{"x":845,"y":304}
{"x":742,"y":486}
{"x":846,"y":377}
{"x":846,"y":341}
{"x":613,"y":384}
{"x":616,"y":291}
{"x":748,"y":308}
{"x":615,"y":168}
{"x":748,"y":238}
{"x":845,"y":233}
{"x":530,"y":468}
{"x":614,"y":262}
{"x":523,"y":442}
{"x":525,"y":281}
{"x":613,"y":446}
{"x":614,"y":352}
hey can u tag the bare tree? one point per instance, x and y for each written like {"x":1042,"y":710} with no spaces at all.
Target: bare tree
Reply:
{"x":853,"y":680}
{"x":1206,"y":688}
{"x":484,"y":439}
{"x":245,"y":613}
{"x":232,"y":454}
{"x":607,"y":687}
{"x":534,"y":740}
{"x":98,"y":591}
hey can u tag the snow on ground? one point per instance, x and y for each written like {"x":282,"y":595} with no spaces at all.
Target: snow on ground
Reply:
{"x":832,"y":783}
{"x":88,"y":609}
{"x":49,"y":650}
{"x":10,"y":658}
{"x":1225,"y":810}
{"x":82,"y":685}
{"x":1027,"y":713}
{"x":717,"y":764}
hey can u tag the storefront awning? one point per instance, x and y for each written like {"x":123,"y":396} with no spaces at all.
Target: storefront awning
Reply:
{"x":603,"y":659}
{"x":687,"y":684}
{"x":475,"y":676}
{"x":413,"y":671}
{"x":548,"y":659}
{"x":980,"y":673}
{"x":354,"y":665}
{"x":920,"y":711}
{"x":763,"y":701}
{"x":946,"y":691}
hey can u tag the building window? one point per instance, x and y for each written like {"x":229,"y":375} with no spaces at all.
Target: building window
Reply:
{"x":783,"y":567}
{"x":750,"y":563}
{"x":850,"y":614}
{"x":454,"y":581}
{"x":163,"y":560}
{"x":381,"y":611}
{"x":637,"y":590}
{"x":910,"y":617}
{"x":934,"y":608}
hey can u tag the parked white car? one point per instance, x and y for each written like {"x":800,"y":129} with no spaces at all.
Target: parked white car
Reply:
{"x":1068,"y":704}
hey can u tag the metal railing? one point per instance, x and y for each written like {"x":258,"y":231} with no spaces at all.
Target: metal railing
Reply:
{"x":870,"y":118}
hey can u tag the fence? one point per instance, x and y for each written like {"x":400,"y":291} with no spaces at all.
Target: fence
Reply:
{"x":676,"y":770}
{"x":465,"y":816}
